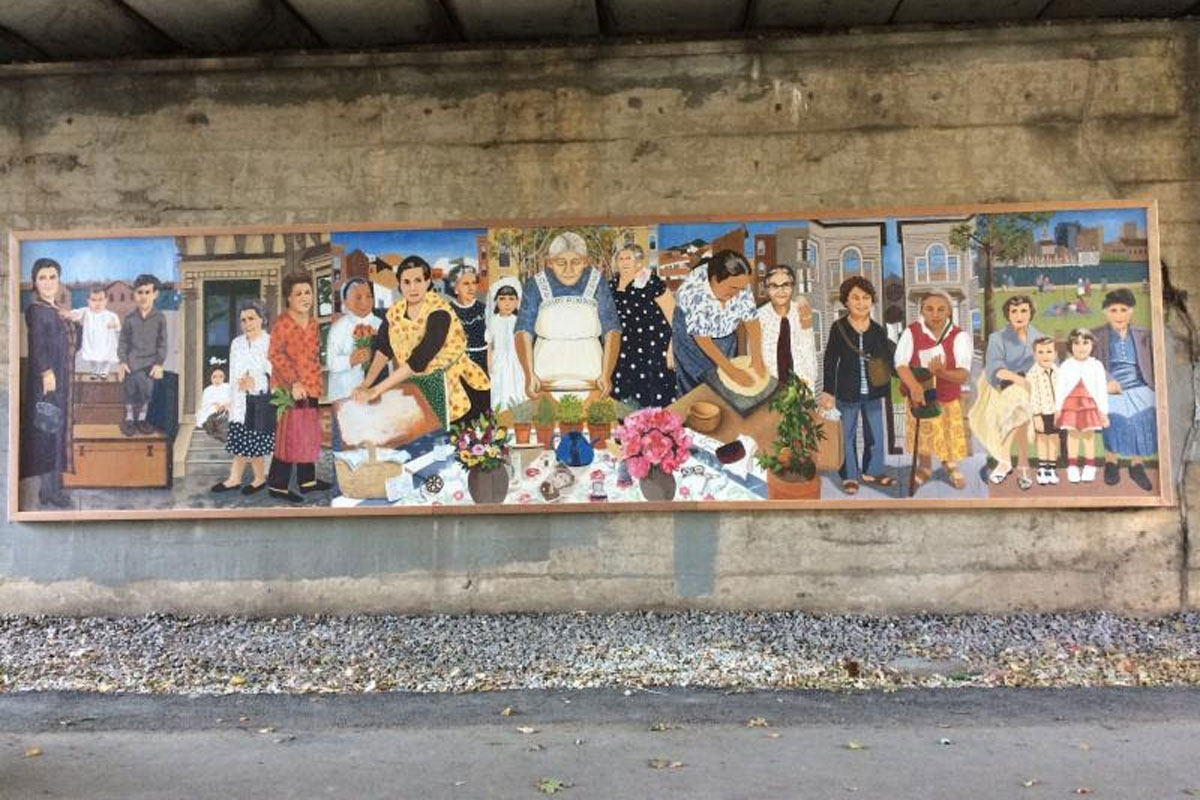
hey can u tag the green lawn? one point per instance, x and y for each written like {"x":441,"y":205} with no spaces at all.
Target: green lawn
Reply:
{"x":1059,"y":326}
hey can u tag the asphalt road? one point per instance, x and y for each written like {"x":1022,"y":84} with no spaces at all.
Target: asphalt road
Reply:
{"x":1138,"y":744}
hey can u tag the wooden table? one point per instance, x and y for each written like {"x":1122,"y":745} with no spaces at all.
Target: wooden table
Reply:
{"x":760,"y":424}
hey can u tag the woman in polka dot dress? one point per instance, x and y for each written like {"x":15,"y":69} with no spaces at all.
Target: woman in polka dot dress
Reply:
{"x":644,"y":374}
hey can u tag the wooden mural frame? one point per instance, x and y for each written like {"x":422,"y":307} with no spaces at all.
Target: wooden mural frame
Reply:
{"x":212,"y":264}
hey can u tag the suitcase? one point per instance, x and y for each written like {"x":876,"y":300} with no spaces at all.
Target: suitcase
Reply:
{"x":104,"y":458}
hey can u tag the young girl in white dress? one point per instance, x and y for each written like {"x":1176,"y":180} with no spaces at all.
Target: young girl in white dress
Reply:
{"x":1081,"y":394}
{"x":508,"y":379}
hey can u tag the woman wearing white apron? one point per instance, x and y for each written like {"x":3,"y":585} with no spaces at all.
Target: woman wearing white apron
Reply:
{"x":570,"y":311}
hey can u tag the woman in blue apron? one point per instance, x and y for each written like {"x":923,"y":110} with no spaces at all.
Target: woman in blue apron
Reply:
{"x":714,"y":300}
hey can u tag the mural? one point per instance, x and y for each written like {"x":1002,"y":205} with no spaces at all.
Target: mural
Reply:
{"x":985,"y":356}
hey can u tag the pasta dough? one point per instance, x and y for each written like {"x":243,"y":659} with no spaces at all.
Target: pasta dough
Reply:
{"x":743,"y":363}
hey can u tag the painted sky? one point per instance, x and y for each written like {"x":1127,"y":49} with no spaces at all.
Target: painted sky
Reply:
{"x":100,"y":260}
{"x":429,"y":245}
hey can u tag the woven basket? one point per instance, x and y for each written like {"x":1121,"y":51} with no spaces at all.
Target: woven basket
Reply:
{"x":369,"y":481}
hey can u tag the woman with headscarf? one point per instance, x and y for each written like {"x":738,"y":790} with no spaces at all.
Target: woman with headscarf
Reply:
{"x":643,"y":375}
{"x":504,"y":368}
{"x":463,"y":282}
{"x":46,"y":444}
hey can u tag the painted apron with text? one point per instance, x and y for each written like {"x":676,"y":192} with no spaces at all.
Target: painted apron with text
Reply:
{"x":568,"y":354}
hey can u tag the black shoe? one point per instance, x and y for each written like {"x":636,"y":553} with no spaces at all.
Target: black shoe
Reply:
{"x":253,"y":489}
{"x":285,"y":494}
{"x":1137,"y":474}
{"x":128,"y":428}
{"x":1112,"y":473}
{"x":56,"y":499}
{"x":221,"y":487}
{"x":316,"y":486}
{"x":146,"y":428}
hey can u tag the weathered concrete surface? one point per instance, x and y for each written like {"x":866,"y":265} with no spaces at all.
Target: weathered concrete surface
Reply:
{"x":1056,"y":113}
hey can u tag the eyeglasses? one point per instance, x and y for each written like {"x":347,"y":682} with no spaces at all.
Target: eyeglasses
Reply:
{"x":696,"y":470}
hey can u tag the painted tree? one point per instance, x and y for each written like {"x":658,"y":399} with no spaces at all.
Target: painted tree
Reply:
{"x":997,"y":237}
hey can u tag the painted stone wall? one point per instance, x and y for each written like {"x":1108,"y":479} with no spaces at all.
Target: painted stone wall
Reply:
{"x":1055,"y":113}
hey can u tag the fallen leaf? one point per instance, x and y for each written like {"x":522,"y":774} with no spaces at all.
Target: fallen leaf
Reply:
{"x":243,"y":719}
{"x":758,"y":722}
{"x":852,"y":668}
{"x":288,"y":738}
{"x":551,"y":785}
{"x":660,"y":726}
{"x":266,"y":730}
{"x":1083,"y":790}
{"x":855,"y":746}
{"x":33,"y":752}
{"x":526,"y":729}
{"x":237,"y":680}
{"x":507,"y":712}
{"x":1029,"y":784}
{"x":662,"y":763}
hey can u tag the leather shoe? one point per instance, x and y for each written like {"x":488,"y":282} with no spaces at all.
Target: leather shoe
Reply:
{"x":145,"y":427}
{"x":1112,"y":473}
{"x":251,"y":488}
{"x":128,"y":428}
{"x":219,"y":487}
{"x":1137,"y":474}
{"x":316,"y":486}
{"x":285,"y":494}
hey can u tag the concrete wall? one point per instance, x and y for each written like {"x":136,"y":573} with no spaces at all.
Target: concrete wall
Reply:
{"x":1060,"y":113}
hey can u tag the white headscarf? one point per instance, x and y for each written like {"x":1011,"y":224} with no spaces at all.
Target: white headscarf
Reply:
{"x":494,"y":290}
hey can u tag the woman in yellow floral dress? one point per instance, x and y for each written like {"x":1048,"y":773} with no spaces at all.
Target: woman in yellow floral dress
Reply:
{"x":427,"y":347}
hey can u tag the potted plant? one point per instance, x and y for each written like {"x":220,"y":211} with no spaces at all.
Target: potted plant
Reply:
{"x":522,"y":420}
{"x":653,"y":445}
{"x":791,"y":470}
{"x":601,"y":414}
{"x":543,"y":422}
{"x":481,"y":446}
{"x":570,"y":414}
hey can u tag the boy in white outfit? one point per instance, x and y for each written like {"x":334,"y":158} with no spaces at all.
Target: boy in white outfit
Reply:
{"x":101,"y":328}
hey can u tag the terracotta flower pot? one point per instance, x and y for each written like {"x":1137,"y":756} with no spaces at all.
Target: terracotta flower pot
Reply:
{"x":658,"y":485}
{"x":545,"y":436}
{"x":521,"y":430}
{"x":488,"y":485}
{"x":792,"y":486}
{"x":599,"y":432}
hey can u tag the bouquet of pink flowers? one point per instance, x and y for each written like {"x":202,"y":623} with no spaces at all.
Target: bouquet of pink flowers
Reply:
{"x":653,"y":437}
{"x":482,"y":443}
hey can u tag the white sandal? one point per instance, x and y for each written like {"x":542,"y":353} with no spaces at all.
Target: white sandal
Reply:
{"x":1000,"y":473}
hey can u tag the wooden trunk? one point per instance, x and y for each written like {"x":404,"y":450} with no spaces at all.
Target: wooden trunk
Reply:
{"x":104,"y":458}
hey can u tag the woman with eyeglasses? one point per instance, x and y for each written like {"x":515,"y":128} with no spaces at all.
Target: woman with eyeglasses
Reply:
{"x":789,"y":345}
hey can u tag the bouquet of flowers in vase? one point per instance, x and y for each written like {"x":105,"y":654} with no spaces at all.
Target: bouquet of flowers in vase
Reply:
{"x":653,"y":437}
{"x":482,"y":443}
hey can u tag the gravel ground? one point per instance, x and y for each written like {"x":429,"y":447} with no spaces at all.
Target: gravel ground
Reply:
{"x":221,"y":655}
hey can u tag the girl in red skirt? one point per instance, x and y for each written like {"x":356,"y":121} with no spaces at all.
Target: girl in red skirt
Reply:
{"x":1081,"y":394}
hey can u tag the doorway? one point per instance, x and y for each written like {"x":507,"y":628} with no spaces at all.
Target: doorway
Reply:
{"x":221,"y":301}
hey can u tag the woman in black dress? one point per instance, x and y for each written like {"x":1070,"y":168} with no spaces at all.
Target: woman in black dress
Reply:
{"x":644,"y":375}
{"x":46,"y":449}
{"x":463,"y":282}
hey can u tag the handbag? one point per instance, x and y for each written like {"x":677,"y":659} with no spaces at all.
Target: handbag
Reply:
{"x":879,"y":369}
{"x":260,"y":414}
{"x":47,"y":417}
{"x":217,"y":425}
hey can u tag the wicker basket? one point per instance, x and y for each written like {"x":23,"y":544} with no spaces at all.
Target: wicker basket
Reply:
{"x":369,"y":481}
